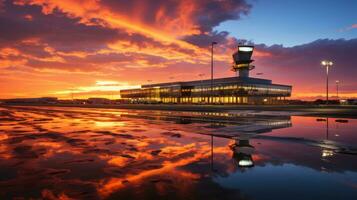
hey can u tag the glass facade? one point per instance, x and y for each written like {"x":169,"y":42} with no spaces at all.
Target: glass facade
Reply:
{"x":223,"y":91}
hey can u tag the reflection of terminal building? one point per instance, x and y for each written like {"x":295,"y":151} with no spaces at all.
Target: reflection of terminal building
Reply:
{"x":233,"y":90}
{"x":41,"y":100}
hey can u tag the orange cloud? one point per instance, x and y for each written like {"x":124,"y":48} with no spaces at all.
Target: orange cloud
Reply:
{"x":87,"y":11}
{"x":103,"y":38}
{"x":28,"y":17}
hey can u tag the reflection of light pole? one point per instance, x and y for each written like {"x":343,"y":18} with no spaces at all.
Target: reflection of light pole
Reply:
{"x":212,"y":152}
{"x":212,"y":44}
{"x":337,"y":82}
{"x":327,"y":128}
{"x":327,"y":64}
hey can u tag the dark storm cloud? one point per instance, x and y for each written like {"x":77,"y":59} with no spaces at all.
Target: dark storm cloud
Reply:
{"x":203,"y":40}
{"x":18,"y":23}
{"x":46,"y":34}
{"x":302,"y":63}
{"x":211,"y":14}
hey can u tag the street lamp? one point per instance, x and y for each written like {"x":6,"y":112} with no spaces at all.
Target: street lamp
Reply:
{"x":72,"y":95}
{"x":337,"y":82}
{"x":212,"y":44}
{"x":327,"y":64}
{"x":201,"y":75}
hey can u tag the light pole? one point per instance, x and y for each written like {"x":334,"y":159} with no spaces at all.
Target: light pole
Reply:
{"x":327,"y":64}
{"x":150,"y":95}
{"x":212,"y":44}
{"x":201,"y":75}
{"x":72,"y":93}
{"x":337,"y":82}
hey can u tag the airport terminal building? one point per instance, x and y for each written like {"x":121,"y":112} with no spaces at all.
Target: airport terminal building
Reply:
{"x":240,"y":89}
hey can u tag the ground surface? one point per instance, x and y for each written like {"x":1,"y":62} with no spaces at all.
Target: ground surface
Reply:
{"x":346,"y":111}
{"x":92,"y":153}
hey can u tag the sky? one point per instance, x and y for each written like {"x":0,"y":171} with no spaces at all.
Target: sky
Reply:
{"x":293,"y":23}
{"x":94,"y":48}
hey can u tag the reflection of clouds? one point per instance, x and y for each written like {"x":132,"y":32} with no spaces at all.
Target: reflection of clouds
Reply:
{"x":176,"y":150}
{"x":109,"y":124}
{"x":118,"y":161}
{"x":182,"y":156}
{"x":72,"y":151}
{"x":3,"y":137}
{"x":4,"y":152}
{"x":48,"y":194}
{"x":54,"y":145}
{"x":114,"y":184}
{"x":132,"y":151}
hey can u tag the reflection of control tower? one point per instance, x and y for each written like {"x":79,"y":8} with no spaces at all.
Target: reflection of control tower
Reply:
{"x":242,"y":61}
{"x":242,"y":152}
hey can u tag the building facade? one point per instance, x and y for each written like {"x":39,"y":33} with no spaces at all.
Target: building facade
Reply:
{"x":233,"y":90}
{"x":241,"y":89}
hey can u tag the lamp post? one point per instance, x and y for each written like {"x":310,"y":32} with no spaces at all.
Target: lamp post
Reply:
{"x":212,"y":44}
{"x":201,"y":75}
{"x":72,"y":94}
{"x":327,"y":64}
{"x":150,"y":95}
{"x":337,"y":82}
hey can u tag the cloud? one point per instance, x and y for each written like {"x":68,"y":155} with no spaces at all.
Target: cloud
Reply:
{"x":69,"y":35}
{"x":300,"y":65}
{"x":353,"y":26}
{"x":2,"y":5}
{"x":57,"y":30}
{"x":163,"y":21}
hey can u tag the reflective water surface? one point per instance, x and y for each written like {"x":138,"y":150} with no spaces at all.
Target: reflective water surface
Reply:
{"x":80,"y":153}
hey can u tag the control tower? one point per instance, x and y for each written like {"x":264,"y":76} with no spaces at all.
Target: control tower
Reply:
{"x":239,"y":89}
{"x":242,"y":60}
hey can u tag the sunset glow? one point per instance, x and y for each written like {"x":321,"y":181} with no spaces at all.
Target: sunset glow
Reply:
{"x":94,"y":48}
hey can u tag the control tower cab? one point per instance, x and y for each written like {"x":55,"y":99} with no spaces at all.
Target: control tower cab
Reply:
{"x":242,"y":60}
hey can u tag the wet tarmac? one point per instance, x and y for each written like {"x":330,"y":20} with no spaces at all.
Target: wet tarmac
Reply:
{"x":84,"y":153}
